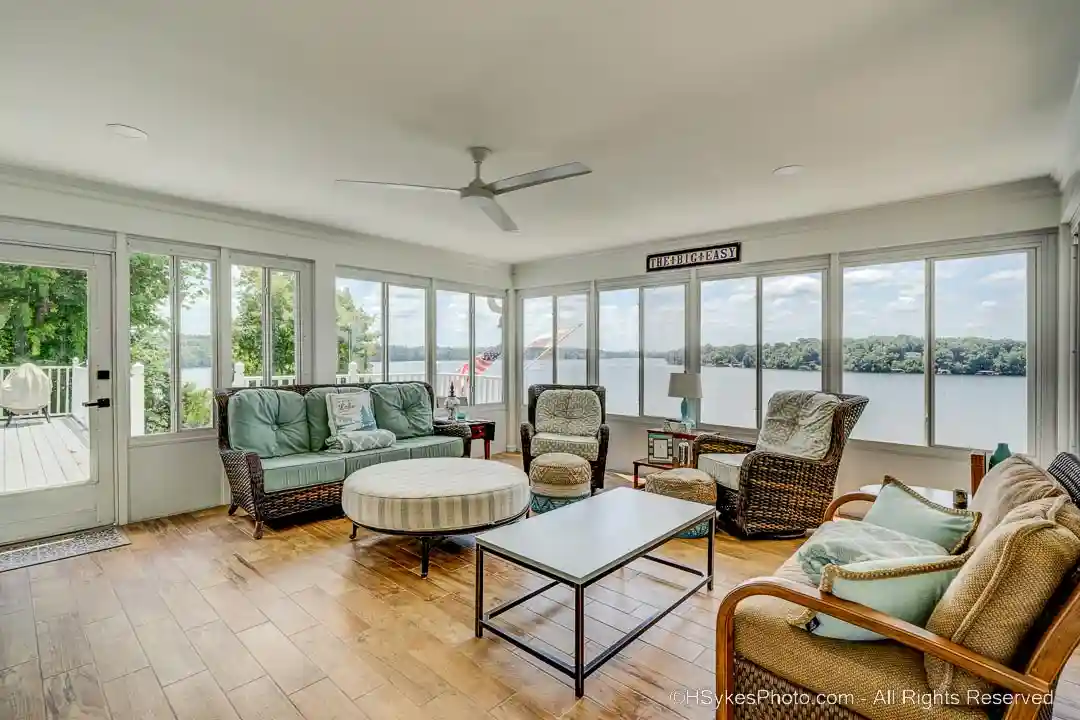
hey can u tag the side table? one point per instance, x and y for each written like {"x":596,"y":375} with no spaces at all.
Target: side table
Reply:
{"x":675,"y":435}
{"x":483,"y":430}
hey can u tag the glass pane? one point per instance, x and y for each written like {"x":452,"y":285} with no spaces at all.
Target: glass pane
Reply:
{"x":729,"y":352}
{"x":790,"y":333}
{"x":488,"y":334}
{"x":43,"y":346}
{"x":407,"y":342}
{"x":247,"y":325}
{"x":980,"y":352}
{"x":571,"y":340}
{"x":284,"y":305}
{"x":620,"y":349}
{"x":884,"y":334}
{"x":663,"y":345}
{"x":452,"y":357}
{"x":537,"y":316}
{"x":196,"y":344}
{"x":359,"y":320}
{"x":151,"y":341}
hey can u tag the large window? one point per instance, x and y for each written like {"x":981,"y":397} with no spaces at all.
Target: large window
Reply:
{"x":406,"y":333}
{"x":571,"y":332}
{"x":663,"y":344}
{"x":978,"y":354}
{"x":554,"y":331}
{"x":537,"y":318}
{"x":469,"y":354}
{"x":620,"y":349}
{"x":172,"y":343}
{"x":359,"y":327}
{"x":791,"y":322}
{"x":265,"y":325}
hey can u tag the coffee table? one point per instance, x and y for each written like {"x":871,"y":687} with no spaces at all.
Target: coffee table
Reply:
{"x":579,"y":544}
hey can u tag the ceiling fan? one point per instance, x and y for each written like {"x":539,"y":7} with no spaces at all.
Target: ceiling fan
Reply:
{"x":482,"y":194}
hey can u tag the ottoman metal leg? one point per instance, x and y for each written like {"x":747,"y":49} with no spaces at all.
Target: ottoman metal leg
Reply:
{"x":425,"y":550}
{"x":352,"y":535}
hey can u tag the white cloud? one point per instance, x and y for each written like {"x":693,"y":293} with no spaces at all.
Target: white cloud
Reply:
{"x":867,"y":275}
{"x":791,"y":285}
{"x":904,"y":303}
{"x":989,"y":303}
{"x":999,"y":276}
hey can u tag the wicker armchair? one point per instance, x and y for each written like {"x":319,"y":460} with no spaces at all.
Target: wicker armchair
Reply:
{"x":244,"y":470}
{"x":598,"y":464}
{"x":780,"y":494}
{"x":1032,"y":674}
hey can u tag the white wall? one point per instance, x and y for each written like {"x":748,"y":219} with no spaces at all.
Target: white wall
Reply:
{"x":1001,"y":210}
{"x":171,"y":474}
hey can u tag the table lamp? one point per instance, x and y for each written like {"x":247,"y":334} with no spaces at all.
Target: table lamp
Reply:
{"x":687,"y":386}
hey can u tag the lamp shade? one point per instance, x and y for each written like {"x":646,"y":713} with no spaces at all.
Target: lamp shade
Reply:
{"x":684,"y":385}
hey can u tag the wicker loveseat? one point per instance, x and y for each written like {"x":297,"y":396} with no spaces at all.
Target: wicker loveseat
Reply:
{"x":572,"y":419}
{"x":760,"y":653}
{"x":767,"y":490}
{"x":300,"y":476}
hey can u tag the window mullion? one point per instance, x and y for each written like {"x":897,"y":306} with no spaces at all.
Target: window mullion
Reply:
{"x":555,"y":339}
{"x":929,"y":352}
{"x":641,"y":351}
{"x":385,"y":354}
{"x":759,"y":360}
{"x":175,"y":300}
{"x":472,"y":349}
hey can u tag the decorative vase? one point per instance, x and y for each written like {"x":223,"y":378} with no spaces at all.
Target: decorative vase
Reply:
{"x":1001,"y":453}
{"x":451,"y":404}
{"x":684,"y":408}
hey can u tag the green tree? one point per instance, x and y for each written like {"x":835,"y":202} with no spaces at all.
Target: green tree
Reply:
{"x":247,"y":326}
{"x":358,"y":337}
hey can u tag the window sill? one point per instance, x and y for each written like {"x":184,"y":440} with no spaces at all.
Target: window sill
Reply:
{"x":184,"y":436}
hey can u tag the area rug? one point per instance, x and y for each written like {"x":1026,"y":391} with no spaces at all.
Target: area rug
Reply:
{"x":59,"y":547}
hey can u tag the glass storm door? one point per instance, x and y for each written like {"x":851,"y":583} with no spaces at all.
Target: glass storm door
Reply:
{"x":56,"y":380}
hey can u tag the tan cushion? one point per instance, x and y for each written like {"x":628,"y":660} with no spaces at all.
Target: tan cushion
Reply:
{"x":683,"y":483}
{"x":799,"y":423}
{"x":560,"y":475}
{"x":584,"y":447}
{"x":1011,"y":483}
{"x":723,"y":467}
{"x":824,"y":665}
{"x":1001,"y":591}
{"x":568,"y":412}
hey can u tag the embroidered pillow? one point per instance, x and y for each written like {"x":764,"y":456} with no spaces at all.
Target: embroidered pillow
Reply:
{"x":350,"y":411}
{"x":842,"y":542}
{"x":798,"y":423}
{"x":905,"y":588}
{"x":900,"y":508}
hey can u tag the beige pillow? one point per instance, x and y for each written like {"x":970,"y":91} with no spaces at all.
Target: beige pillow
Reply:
{"x":1011,"y":483}
{"x":1001,"y":591}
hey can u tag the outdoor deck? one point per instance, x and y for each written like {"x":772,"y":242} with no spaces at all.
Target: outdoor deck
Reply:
{"x":37,"y":454}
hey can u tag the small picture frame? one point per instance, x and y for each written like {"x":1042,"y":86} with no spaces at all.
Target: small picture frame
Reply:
{"x":660,"y":448}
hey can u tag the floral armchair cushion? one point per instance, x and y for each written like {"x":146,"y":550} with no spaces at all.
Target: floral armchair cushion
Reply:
{"x":568,"y":412}
{"x":798,"y":423}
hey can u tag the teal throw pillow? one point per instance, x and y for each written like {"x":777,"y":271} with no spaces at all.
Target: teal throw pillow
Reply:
{"x":403,"y":408}
{"x":904,"y":588}
{"x":898,"y":507}
{"x":842,"y":542}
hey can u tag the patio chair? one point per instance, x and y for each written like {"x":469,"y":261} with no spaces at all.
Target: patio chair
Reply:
{"x":570,"y":419}
{"x":27,"y":390}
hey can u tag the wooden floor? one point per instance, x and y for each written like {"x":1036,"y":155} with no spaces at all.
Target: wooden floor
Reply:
{"x":196,"y":620}
{"x":36,"y":454}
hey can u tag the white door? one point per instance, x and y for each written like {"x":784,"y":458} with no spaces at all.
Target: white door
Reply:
{"x":56,"y":380}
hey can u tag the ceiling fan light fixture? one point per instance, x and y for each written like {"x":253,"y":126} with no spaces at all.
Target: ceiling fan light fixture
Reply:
{"x":788,"y":170}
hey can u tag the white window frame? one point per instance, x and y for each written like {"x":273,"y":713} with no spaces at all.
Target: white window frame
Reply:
{"x":1041,"y":323}
{"x":177,"y":252}
{"x":586,"y":289}
{"x":473,"y":291}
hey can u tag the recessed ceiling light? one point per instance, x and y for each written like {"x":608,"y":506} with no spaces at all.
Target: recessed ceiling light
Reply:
{"x":788,"y":170}
{"x":128,"y":132}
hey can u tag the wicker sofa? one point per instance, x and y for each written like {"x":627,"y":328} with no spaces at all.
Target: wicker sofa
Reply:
{"x":276,"y":484}
{"x":575,"y":423}
{"x":760,"y":653}
{"x":770,"y":491}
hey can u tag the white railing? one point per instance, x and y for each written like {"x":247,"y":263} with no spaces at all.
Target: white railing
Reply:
{"x":488,"y":387}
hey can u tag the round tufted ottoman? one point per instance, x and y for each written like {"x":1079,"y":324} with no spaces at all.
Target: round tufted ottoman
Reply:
{"x":558,"y":479}
{"x":434,"y":497}
{"x":685,"y":484}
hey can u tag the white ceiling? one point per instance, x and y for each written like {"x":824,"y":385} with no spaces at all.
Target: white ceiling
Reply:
{"x":682,"y":108}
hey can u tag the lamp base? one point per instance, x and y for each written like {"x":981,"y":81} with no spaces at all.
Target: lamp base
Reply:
{"x":685,"y":410}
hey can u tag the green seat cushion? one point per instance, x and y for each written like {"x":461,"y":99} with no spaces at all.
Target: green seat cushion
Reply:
{"x":317,"y":417}
{"x":269,"y":422}
{"x":366,"y":458}
{"x":301,"y":470}
{"x":432,"y":446}
{"x":403,"y":408}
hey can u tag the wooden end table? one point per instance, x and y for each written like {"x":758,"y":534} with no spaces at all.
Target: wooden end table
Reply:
{"x":483,"y":430}
{"x":646,"y":462}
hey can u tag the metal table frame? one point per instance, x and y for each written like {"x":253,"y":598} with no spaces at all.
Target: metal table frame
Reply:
{"x":580,"y":669}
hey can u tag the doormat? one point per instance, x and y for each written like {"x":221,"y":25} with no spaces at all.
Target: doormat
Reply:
{"x":59,"y":547}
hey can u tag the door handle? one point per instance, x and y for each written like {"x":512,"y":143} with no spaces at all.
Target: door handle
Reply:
{"x":99,"y":403}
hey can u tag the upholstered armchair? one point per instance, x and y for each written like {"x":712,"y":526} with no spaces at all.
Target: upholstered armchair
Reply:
{"x":781,"y":484}
{"x":570,"y":419}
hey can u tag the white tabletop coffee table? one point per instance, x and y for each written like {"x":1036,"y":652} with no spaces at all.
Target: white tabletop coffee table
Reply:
{"x":582,"y":543}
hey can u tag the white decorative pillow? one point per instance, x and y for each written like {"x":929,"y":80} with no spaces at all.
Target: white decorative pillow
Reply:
{"x":350,"y":411}
{"x":798,"y":423}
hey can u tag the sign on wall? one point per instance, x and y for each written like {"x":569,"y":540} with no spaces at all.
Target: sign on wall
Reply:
{"x":712,"y":255}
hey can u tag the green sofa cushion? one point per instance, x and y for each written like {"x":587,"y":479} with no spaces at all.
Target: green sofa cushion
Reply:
{"x":403,"y":408}
{"x":268,"y":422}
{"x":366,"y":458}
{"x":432,"y":446}
{"x":301,"y":470}
{"x":317,"y":417}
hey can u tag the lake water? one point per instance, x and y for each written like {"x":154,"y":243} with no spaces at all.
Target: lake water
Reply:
{"x":972,"y":411}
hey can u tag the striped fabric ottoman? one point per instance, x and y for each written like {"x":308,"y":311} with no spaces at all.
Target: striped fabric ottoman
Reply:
{"x":434,"y":497}
{"x":558,"y":479}
{"x":685,"y":484}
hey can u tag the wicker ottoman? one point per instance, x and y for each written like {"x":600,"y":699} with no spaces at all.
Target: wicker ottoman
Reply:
{"x":685,"y":484}
{"x":558,"y":479}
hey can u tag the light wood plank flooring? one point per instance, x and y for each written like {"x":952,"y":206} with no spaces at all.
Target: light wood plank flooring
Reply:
{"x":38,"y":454}
{"x":195,"y":619}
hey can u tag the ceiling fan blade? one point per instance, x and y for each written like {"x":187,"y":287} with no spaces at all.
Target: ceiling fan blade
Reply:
{"x":400,"y":186}
{"x":494,"y":211}
{"x":538,"y":177}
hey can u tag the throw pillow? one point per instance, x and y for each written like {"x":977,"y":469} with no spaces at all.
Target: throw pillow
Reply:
{"x":1000,"y":593}
{"x":842,"y":542}
{"x":900,"y":508}
{"x":350,"y":411}
{"x":905,"y":588}
{"x":798,"y":422}
{"x":403,"y":408}
{"x":1008,"y":485}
